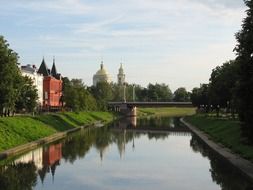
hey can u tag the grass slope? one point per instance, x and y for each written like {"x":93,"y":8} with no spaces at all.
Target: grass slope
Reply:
{"x":224,"y":131}
{"x":172,"y":111}
{"x":22,"y":129}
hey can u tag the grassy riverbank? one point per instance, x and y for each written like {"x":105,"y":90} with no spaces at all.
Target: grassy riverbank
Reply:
{"x":172,"y":111}
{"x":19,"y":130}
{"x":224,"y":131}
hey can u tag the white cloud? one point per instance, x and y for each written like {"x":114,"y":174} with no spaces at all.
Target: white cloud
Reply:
{"x":57,"y":6}
{"x":164,"y":35}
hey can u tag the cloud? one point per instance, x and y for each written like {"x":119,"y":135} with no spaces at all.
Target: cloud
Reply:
{"x":228,"y":4}
{"x":147,"y":34}
{"x":69,"y":7}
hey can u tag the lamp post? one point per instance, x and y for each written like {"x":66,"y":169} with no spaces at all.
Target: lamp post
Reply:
{"x":133,"y":92}
{"x":124,"y":88}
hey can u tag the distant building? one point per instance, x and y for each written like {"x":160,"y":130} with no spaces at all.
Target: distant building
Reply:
{"x":52,"y":87}
{"x":101,"y":75}
{"x":37,"y":78}
{"x":121,"y":76}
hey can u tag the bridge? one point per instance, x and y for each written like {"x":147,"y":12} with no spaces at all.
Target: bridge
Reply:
{"x":130,"y":108}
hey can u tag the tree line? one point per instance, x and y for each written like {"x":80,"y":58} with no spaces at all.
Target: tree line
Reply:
{"x":231,"y":85}
{"x":19,"y":94}
{"x":78,"y":97}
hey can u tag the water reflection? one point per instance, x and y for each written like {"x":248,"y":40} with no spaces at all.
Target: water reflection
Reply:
{"x":22,"y":172}
{"x":30,"y":170}
{"x":222,"y":172}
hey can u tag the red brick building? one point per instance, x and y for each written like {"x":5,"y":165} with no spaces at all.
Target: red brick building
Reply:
{"x":52,"y":87}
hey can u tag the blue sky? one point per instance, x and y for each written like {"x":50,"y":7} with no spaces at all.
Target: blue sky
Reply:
{"x":177,"y":42}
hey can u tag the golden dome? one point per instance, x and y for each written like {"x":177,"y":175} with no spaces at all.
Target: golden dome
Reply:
{"x":102,"y":70}
{"x":101,"y":75}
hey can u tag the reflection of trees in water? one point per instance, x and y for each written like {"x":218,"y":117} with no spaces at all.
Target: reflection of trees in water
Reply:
{"x":158,"y":136}
{"x":77,"y":145}
{"x":24,"y":175}
{"x":21,"y":176}
{"x":155,"y":122}
{"x":164,"y":123}
{"x":222,"y":172}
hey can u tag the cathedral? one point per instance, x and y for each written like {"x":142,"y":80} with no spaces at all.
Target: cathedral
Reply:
{"x":103,"y":76}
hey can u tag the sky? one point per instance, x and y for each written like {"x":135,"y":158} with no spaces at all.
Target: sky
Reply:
{"x":176,"y":42}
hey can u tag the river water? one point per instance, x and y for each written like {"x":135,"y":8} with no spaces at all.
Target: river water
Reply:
{"x":151,"y":153}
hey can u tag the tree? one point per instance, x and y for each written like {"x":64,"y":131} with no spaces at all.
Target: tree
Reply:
{"x":244,"y":51}
{"x":159,"y":92}
{"x":199,"y":96}
{"x":222,"y":85}
{"x":76,"y":96}
{"x":10,"y":77}
{"x":28,"y":96}
{"x":103,"y":92}
{"x":181,"y":95}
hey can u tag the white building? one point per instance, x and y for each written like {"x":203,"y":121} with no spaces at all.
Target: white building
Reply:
{"x":31,"y":71}
{"x":101,"y":75}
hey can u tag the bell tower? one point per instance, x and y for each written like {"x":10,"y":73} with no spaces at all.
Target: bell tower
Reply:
{"x":121,"y":75}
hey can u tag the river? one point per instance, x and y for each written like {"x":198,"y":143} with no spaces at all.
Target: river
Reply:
{"x":150,"y":153}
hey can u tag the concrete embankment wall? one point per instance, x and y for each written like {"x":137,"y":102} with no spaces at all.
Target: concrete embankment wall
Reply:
{"x":243,"y":165}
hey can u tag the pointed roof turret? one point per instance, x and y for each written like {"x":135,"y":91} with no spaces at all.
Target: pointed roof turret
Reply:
{"x":121,"y":75}
{"x":42,"y":174}
{"x":43,"y":68}
{"x":121,"y":71}
{"x":53,"y":70}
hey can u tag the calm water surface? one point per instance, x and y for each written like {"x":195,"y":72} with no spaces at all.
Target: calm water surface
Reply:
{"x":154,"y":153}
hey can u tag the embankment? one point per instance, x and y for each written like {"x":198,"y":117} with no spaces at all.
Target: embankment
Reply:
{"x":223,"y":136}
{"x":19,"y":130}
{"x":224,"y":131}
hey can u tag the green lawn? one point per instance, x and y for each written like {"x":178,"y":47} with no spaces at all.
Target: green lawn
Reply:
{"x":172,"y":111}
{"x":224,"y":131}
{"x":22,"y":129}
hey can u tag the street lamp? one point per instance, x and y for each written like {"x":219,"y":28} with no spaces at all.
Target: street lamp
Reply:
{"x":124,"y":98}
{"x":133,"y":92}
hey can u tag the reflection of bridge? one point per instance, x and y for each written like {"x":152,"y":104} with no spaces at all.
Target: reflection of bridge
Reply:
{"x":129,"y":108}
{"x":155,"y":130}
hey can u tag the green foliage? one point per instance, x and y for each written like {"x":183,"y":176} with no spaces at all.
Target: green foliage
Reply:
{"x":153,"y":93}
{"x":244,"y":50}
{"x":199,"y":96}
{"x":17,"y":92}
{"x":181,"y":95}
{"x":10,"y":77}
{"x":159,"y":92}
{"x":76,"y":96}
{"x":227,"y":132}
{"x":103,"y":92}
{"x":223,"y":81}
{"x":28,"y":96}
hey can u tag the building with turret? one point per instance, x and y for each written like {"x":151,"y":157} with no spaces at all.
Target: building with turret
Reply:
{"x":101,"y":75}
{"x":121,"y":76}
{"x":52,"y":87}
